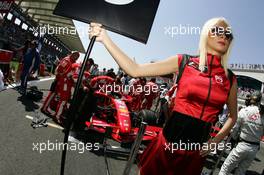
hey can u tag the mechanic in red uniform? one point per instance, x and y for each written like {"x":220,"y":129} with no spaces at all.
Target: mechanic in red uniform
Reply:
{"x":202,"y":91}
{"x":84,"y":96}
{"x":64,"y":83}
{"x":89,"y":65}
{"x":76,"y":70}
{"x":151,"y":93}
{"x":137,"y":94}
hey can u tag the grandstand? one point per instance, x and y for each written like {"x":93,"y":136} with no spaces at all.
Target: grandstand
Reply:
{"x":250,"y":77}
{"x":247,"y":67}
{"x":26,"y":20}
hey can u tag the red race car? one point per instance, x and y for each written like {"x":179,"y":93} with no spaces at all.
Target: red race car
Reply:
{"x":99,"y":109}
{"x":111,"y":111}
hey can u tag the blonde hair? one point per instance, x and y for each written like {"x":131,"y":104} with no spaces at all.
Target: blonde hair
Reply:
{"x":203,"y":43}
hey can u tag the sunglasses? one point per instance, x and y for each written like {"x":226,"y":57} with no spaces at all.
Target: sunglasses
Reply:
{"x":219,"y":31}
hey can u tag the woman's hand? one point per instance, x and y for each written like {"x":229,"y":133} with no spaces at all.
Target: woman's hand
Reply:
{"x":97,"y":30}
{"x":207,"y":148}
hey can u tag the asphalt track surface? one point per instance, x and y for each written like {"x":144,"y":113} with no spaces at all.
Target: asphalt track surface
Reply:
{"x":18,"y":155}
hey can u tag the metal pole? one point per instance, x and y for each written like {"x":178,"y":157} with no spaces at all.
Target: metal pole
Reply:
{"x":107,"y":135}
{"x":71,"y":115}
{"x":220,"y":156}
{"x":135,"y":148}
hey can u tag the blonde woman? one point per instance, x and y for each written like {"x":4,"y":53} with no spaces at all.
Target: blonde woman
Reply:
{"x":205,"y":86}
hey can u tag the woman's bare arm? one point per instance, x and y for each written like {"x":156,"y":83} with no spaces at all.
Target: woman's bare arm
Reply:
{"x":167,"y":66}
{"x":232,"y":107}
{"x":230,"y":122}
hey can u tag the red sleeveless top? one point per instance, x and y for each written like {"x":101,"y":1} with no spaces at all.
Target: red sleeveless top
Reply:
{"x":202,"y":94}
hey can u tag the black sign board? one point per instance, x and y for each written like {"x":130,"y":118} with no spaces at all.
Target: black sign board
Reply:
{"x":133,"y":19}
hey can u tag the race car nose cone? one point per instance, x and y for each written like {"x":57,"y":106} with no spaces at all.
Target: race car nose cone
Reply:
{"x":119,"y":2}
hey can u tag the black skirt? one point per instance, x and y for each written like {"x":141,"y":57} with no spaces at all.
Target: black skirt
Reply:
{"x":186,"y":129}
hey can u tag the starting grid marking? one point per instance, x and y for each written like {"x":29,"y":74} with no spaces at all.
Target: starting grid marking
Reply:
{"x":14,"y":85}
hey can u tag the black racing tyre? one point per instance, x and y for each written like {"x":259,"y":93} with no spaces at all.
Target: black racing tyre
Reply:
{"x":148,"y":116}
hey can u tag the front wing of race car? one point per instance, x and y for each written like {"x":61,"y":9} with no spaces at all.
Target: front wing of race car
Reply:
{"x":100,"y":126}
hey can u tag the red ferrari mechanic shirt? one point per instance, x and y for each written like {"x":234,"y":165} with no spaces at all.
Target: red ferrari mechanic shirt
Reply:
{"x":202,"y":94}
{"x":65,"y":66}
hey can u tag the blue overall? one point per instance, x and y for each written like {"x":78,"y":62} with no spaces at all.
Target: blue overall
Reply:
{"x":31,"y":63}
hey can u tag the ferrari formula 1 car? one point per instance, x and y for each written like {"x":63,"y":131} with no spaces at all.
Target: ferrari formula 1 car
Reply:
{"x":111,"y":110}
